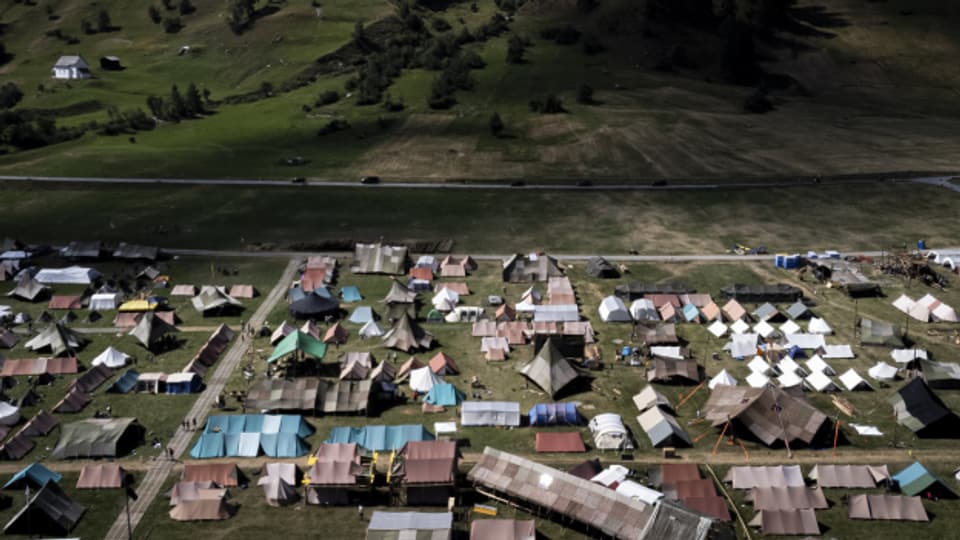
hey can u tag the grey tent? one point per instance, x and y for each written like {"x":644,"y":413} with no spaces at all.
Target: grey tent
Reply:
{"x":56,"y":338}
{"x":8,"y":339}
{"x":134,"y":252}
{"x":407,"y":336}
{"x":923,"y":412}
{"x":399,"y":294}
{"x":757,"y":294}
{"x":880,"y":334}
{"x":98,"y":437}
{"x":663,"y":429}
{"x":519,"y":268}
{"x":798,"y":310}
{"x":599,"y":267}
{"x":28,"y":289}
{"x":49,"y":512}
{"x":314,"y":306}
{"x":347,"y":397}
{"x":634,"y":290}
{"x":770,"y":414}
{"x":549,"y":369}
{"x":150,"y":330}
{"x":215,"y":299}
{"x":82,"y":250}
{"x":940,"y":374}
{"x":300,"y":394}
{"x":379,"y":259}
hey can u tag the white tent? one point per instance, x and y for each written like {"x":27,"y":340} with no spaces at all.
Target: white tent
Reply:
{"x":743,"y":345}
{"x":104,"y":301}
{"x":759,"y":365}
{"x":883,"y":371}
{"x":9,"y":415}
{"x":806,"y":341}
{"x":279,"y":483}
{"x":282,"y":331}
{"x":789,"y":380}
{"x":371,"y":330}
{"x":764,"y":329}
{"x":904,"y":303}
{"x":490,"y":413}
{"x":853,"y":381}
{"x":718,"y":329}
{"x":612,"y":309}
{"x":465,"y":314}
{"x":423,"y":379}
{"x":920,"y":312}
{"x":557,"y":313}
{"x":866,"y":431}
{"x":721,"y":379}
{"x":789,"y":327}
{"x":74,"y":275}
{"x":820,"y":382}
{"x":905,"y":356}
{"x":837,"y":351}
{"x":488,"y":343}
{"x":642,"y":309}
{"x":445,"y":300}
{"x":757,"y":380}
{"x":789,"y":365}
{"x":819,"y":326}
{"x":665,"y":351}
{"x":609,"y":433}
{"x":639,"y":492}
{"x":613,"y":474}
{"x":112,"y":358}
{"x":816,"y":364}
{"x":944,"y":313}
{"x":740,"y":327}
{"x":929,"y":301}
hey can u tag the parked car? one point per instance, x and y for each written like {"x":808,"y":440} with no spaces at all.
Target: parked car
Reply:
{"x":370,"y":180}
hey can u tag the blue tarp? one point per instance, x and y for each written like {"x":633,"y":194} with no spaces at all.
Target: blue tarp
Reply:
{"x":380,"y":438}
{"x":125,"y":382}
{"x":322,"y":292}
{"x":259,"y":423}
{"x":209,"y":445}
{"x":361,"y":315}
{"x":350,"y":293}
{"x":279,"y":436}
{"x":690,"y":312}
{"x":444,"y":394}
{"x":185,"y":387}
{"x":296,"y":293}
{"x":796,"y":352}
{"x":548,"y":414}
{"x":283,"y":445}
{"x":35,"y":474}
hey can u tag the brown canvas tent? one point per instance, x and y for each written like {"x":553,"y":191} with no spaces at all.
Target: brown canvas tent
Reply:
{"x":93,"y":378}
{"x":407,"y":336}
{"x":39,"y":366}
{"x":73,"y":402}
{"x":787,"y":522}
{"x":675,"y":371}
{"x":243,"y":291}
{"x":848,"y":476}
{"x":300,"y":394}
{"x":41,"y":424}
{"x":191,"y":491}
{"x":221,"y":474}
{"x":442,"y":364}
{"x":347,"y":397}
{"x":559,"y":442}
{"x":428,"y":471}
{"x":663,"y":334}
{"x":549,"y":369}
{"x":503,"y":529}
{"x":786,"y":498}
{"x":336,"y":335}
{"x":762,"y":411}
{"x":887,"y":507}
{"x":201,"y":510}
{"x":65,"y":302}
{"x":105,"y":476}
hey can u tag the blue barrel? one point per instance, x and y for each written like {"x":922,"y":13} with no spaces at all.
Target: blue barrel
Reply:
{"x":921,"y":244}
{"x":627,"y":351}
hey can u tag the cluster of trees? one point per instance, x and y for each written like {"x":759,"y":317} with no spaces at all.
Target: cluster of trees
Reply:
{"x":171,"y":23}
{"x":516,"y":48}
{"x":240,"y":15}
{"x":62,"y":36}
{"x":10,"y":95}
{"x":455,"y":76}
{"x":103,"y":24}
{"x":179,"y":106}
{"x":549,"y":105}
{"x":24,"y":130}
{"x":130,"y":121}
{"x":4,"y":55}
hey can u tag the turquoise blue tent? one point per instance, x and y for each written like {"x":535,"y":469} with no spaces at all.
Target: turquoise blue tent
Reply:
{"x":361,"y":315}
{"x":209,"y":445}
{"x":280,"y":435}
{"x":350,"y":293}
{"x":380,"y":438}
{"x":125,"y":383}
{"x":917,"y":480}
{"x":283,"y":445}
{"x":690,"y":312}
{"x":296,"y":293}
{"x":323,"y":292}
{"x":35,"y":475}
{"x":259,"y":423}
{"x":548,"y":414}
{"x":445,"y":395}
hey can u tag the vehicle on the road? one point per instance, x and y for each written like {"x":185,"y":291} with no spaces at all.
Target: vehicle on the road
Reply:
{"x":517,"y":183}
{"x":370,"y":180}
{"x":659,"y":183}
{"x":584,"y":183}
{"x":299,"y":180}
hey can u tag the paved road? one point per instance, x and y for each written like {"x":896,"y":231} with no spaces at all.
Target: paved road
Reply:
{"x":507,"y":183}
{"x":160,"y":469}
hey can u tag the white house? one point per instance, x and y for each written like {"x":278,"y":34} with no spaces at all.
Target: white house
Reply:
{"x":71,"y":67}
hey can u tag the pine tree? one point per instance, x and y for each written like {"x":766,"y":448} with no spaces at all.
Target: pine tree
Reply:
{"x":178,"y":107}
{"x":194,"y":102}
{"x":103,"y":21}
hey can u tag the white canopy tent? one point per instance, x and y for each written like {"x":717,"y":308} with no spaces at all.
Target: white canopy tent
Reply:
{"x":642,"y":309}
{"x":423,"y":379}
{"x":612,"y":309}
{"x":819,"y":326}
{"x":853,"y":381}
{"x":371,"y":330}
{"x":882,"y":371}
{"x":789,"y":327}
{"x":757,"y":380}
{"x":905,"y":356}
{"x":837,"y":352}
{"x":718,"y":329}
{"x":817,"y":364}
{"x":72,"y":275}
{"x":722,"y":379}
{"x":759,"y":365}
{"x":112,"y":358}
{"x":104,"y":301}
{"x":820,"y":382}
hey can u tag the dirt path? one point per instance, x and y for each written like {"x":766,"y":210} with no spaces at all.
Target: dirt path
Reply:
{"x":160,"y":469}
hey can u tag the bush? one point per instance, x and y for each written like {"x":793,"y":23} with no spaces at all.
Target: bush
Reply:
{"x":154,"y":14}
{"x":333,"y":126}
{"x":551,"y":105}
{"x":440,"y":24}
{"x":496,"y":125}
{"x":584,"y":94}
{"x":186,"y":7}
{"x":390,"y":105}
{"x":563,"y":35}
{"x":757,"y":102}
{"x":86,"y":27}
{"x":592,"y":45}
{"x":103,"y":21}
{"x":10,"y":95}
{"x":516,"y":47}
{"x":172,"y":25}
{"x":328,"y":97}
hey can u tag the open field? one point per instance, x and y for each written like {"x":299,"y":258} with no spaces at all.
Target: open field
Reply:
{"x":867,"y":217}
{"x":874,"y":82}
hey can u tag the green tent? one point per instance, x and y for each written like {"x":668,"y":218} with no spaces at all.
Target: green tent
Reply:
{"x":299,"y":341}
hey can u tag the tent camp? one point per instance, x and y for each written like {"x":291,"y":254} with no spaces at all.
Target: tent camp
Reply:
{"x":612,"y":309}
{"x":215,"y":300}
{"x":49,"y":512}
{"x":379,"y":259}
{"x":549,"y":369}
{"x":490,"y":413}
{"x":761,"y":411}
{"x":423,"y":379}
{"x":406,"y":335}
{"x":151,"y":331}
{"x":101,"y":476}
{"x":279,"y":483}
{"x":57,"y":339}
{"x":918,"y":408}
{"x":300,"y":344}
{"x":98,"y":437}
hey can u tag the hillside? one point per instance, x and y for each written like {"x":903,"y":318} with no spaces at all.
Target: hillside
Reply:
{"x":856,"y":87}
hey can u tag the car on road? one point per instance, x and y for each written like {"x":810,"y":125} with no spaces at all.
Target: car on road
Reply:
{"x":584,"y":183}
{"x":659,"y":183}
{"x":370,"y":180}
{"x":299,"y":180}
{"x":517,"y":183}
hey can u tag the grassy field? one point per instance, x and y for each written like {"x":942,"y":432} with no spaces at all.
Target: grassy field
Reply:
{"x":875,"y":83}
{"x":858,"y":216}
